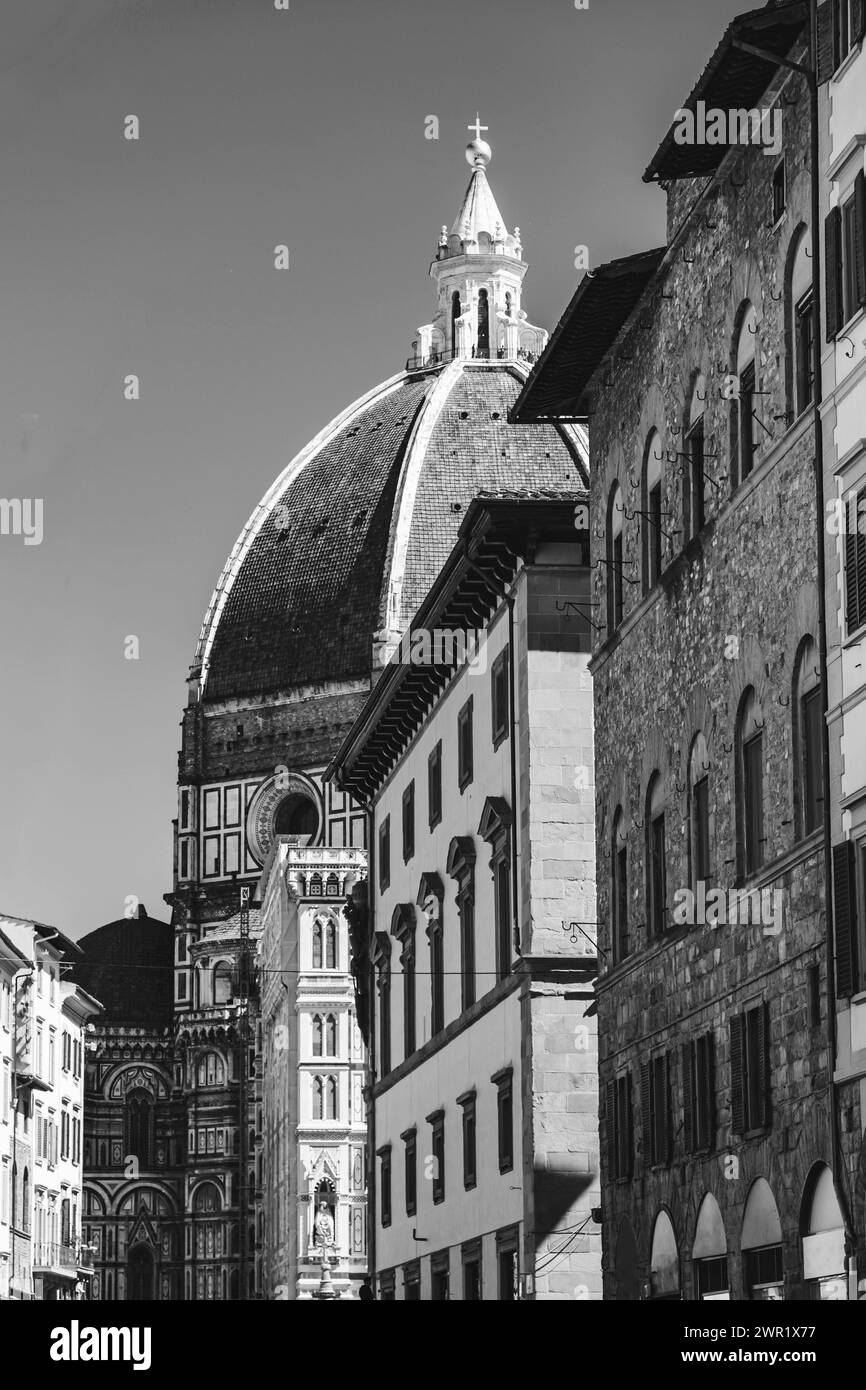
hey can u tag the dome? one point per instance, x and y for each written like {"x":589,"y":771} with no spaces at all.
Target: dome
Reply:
{"x":128,"y":967}
{"x":347,"y":541}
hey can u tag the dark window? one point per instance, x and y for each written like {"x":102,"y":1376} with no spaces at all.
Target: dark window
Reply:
{"x":505,"y":1119}
{"x":437,"y":978}
{"x":384,"y":854}
{"x":711,"y":1276}
{"x":330,"y":946}
{"x":753,"y":803}
{"x":139,"y":1126}
{"x":411,"y":1159}
{"x":464,"y":746}
{"x":701,"y":829}
{"x":409,"y":822}
{"x":695,"y":448}
{"x":654,"y":537}
{"x":699,"y":1094}
{"x":779,"y":198}
{"x":750,"y":1070}
{"x":657,"y":876}
{"x":472,"y":1273}
{"x":437,"y":1123}
{"x":619,"y":891}
{"x":439,"y":1278}
{"x":804,"y":351}
{"x":848,"y":913}
{"x":499,"y":698}
{"x":746,"y":420}
{"x":466,"y":909}
{"x":409,"y":998}
{"x":844,"y":35}
{"x":385,"y":1185}
{"x":810,"y":727}
{"x":502,"y":909}
{"x":434,"y":786}
{"x":656,"y":1110}
{"x":296,"y":815}
{"x":619,"y":1128}
{"x":855,"y":562}
{"x":384,"y":1019}
{"x":387,"y":1292}
{"x":507,"y":1267}
{"x":617,"y":581}
{"x":765,"y":1277}
{"x":468,"y":1105}
{"x":412,"y":1284}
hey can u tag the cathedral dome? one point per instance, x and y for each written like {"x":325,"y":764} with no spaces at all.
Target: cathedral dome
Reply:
{"x":127,"y":966}
{"x":331,"y":566}
{"x":335,"y":559}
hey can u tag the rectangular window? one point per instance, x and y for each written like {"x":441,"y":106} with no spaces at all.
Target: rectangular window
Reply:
{"x":499,"y":698}
{"x":464,"y":746}
{"x":467,"y":1104}
{"x":385,"y":1185}
{"x":384,"y":1022}
{"x":699,"y":1094}
{"x":181,"y":986}
{"x":811,"y":726}
{"x":434,"y":786}
{"x":701,"y":830}
{"x":746,"y":420}
{"x":844,"y":31}
{"x":695,"y":447}
{"x":619,"y":1133}
{"x":804,"y":352}
{"x":657,"y":877}
{"x":471,"y":1260}
{"x":184,"y":809}
{"x":502,"y":910}
{"x":466,"y":909}
{"x":753,"y":796}
{"x":385,"y":854}
{"x":507,"y":1266}
{"x":232,"y":806}
{"x":232,"y":854}
{"x":211,"y":856}
{"x":750,"y":1070}
{"x":620,"y":903}
{"x":617,"y":581}
{"x":412,"y":1283}
{"x":437,"y":1124}
{"x":712,"y":1277}
{"x":656,"y":1110}
{"x":409,"y":822}
{"x":779,"y":192}
{"x":503,"y":1081}
{"x":855,"y":561}
{"x":439,"y":1277}
{"x":410,"y":1153}
{"x":409,"y":999}
{"x":211,"y":810}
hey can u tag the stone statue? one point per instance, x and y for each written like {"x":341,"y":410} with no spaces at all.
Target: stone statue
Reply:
{"x":323,"y":1230}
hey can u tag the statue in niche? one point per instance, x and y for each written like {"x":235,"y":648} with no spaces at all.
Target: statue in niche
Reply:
{"x":323,"y":1231}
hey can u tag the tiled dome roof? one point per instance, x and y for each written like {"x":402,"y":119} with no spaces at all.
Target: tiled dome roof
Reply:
{"x":127,"y":966}
{"x":349,"y":538}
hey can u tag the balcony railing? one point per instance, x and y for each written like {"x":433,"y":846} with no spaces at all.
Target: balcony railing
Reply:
{"x":54,"y":1257}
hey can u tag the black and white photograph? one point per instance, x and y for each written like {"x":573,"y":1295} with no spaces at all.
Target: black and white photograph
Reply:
{"x":433,"y":619}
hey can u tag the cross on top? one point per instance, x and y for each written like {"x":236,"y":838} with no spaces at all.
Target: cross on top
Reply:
{"x":477,"y":127}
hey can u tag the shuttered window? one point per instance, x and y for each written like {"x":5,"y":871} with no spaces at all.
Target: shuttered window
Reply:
{"x":699,"y":1094}
{"x":833,"y":272}
{"x":750,"y":1070}
{"x":618,"y":1128}
{"x":656,"y":1110}
{"x":845,"y":918}
{"x":855,"y":562}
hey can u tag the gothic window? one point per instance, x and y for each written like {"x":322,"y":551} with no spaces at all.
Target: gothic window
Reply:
{"x":619,"y":887}
{"x":206,"y":1198}
{"x":330,"y":946}
{"x":314,"y":888}
{"x":483,"y":324}
{"x":138,"y":1126}
{"x":808,"y":739}
{"x":699,"y":812}
{"x":222,"y":983}
{"x":800,"y":326}
{"x":651,"y":508}
{"x":211,"y":1071}
{"x":318,"y":927}
{"x":694,"y":482}
{"x":318,"y":1097}
{"x":656,"y":885}
{"x":614,"y":533}
{"x":331,"y":1099}
{"x":750,"y":789}
{"x":455,"y":314}
{"x":743,"y":421}
{"x":317,"y":1036}
{"x":331,"y":1036}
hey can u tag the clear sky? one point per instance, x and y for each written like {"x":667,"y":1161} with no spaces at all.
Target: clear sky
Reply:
{"x":155,"y":257}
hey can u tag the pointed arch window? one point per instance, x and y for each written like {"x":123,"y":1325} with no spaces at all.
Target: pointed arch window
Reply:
{"x":651,"y":507}
{"x":750,"y":777}
{"x":800,"y":326}
{"x":743,"y":422}
{"x":456,"y":311}
{"x":483,"y":324}
{"x":694,"y":481}
{"x":808,"y":739}
{"x":317,"y":944}
{"x":614,"y":533}
{"x":318,"y":1097}
{"x":331,"y":1036}
{"x":139,"y":1126}
{"x":331,"y":1098}
{"x":619,"y":887}
{"x":699,"y":813}
{"x":317,"y":1035}
{"x":330,"y":946}
{"x":656,"y":884}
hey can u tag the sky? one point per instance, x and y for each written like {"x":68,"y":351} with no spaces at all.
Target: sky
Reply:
{"x":154,"y":257}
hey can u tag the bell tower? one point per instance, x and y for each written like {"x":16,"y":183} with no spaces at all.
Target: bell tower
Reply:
{"x":479,"y":270}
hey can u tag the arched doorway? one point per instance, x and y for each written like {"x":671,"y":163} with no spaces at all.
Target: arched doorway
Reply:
{"x":823,"y":1234}
{"x":664,"y":1260}
{"x":761,"y":1244}
{"x":710,"y":1252}
{"x":139,"y":1274}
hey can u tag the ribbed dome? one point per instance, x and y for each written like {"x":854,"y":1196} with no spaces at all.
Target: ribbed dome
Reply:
{"x":349,"y":538}
{"x":127,"y":966}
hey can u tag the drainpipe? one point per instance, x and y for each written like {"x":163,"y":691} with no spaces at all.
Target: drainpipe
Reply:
{"x":837,"y":1161}
{"x":371,"y":1049}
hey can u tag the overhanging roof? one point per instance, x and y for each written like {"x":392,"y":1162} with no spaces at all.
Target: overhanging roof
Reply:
{"x":497,"y":531}
{"x":604,"y":299}
{"x":732,"y":80}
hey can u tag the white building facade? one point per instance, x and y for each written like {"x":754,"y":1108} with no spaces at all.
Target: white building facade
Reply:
{"x":481,"y":940}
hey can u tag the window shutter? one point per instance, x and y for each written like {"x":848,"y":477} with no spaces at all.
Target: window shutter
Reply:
{"x":766,"y":1097}
{"x":844,"y":917}
{"x":825,"y":41}
{"x":688,"y":1106}
{"x":833,"y":271}
{"x":855,"y":563}
{"x":610,"y":1127}
{"x":858,"y":19}
{"x":737,"y":1115}
{"x":708,"y":1076}
{"x":628,"y":1126}
{"x":646,"y":1112}
{"x":860,"y":237}
{"x":668,"y":1127}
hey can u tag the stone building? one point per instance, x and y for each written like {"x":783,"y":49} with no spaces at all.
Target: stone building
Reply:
{"x":474,"y":761}
{"x":43,"y":1017}
{"x":842,"y":129}
{"x":693,"y":363}
{"x":313,"y":1066}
